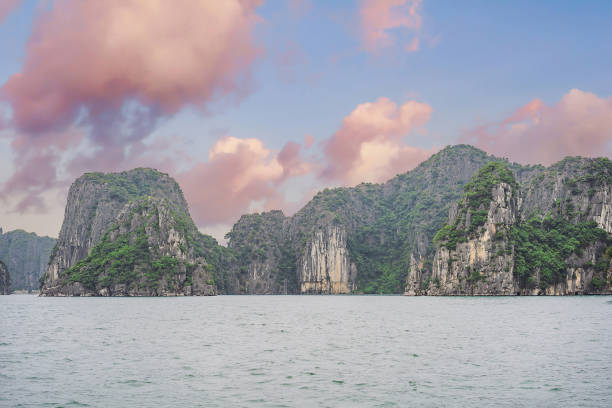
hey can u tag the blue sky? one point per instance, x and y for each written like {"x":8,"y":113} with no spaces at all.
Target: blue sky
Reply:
{"x":476,"y":64}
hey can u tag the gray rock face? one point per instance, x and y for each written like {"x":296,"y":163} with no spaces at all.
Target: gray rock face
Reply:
{"x":94,"y":202}
{"x":26,"y":255}
{"x":576,"y":186}
{"x":5,"y":280}
{"x":129,"y":234}
{"x":325,"y":266}
{"x":484,"y":264}
{"x":263,"y":264}
{"x":151,"y":253}
{"x":277,"y":255}
{"x":574,"y":191}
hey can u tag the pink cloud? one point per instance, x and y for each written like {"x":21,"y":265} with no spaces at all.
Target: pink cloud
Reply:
{"x":293,"y":165}
{"x":6,"y":6}
{"x":100,"y":54}
{"x":239,"y":172}
{"x":308,"y":140}
{"x":114,"y":68}
{"x":369,"y":145}
{"x":579,"y":124}
{"x":381,"y":18}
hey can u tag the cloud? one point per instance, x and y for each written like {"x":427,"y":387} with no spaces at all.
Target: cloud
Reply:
{"x":239,"y":172}
{"x":369,"y":145}
{"x":308,"y":140}
{"x":579,"y":124}
{"x":100,"y":54}
{"x":293,"y":165}
{"x":115,"y":68}
{"x":385,"y":21}
{"x":6,"y":6}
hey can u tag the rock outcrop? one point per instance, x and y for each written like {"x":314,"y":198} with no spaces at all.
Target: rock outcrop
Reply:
{"x":475,"y":255}
{"x":26,"y":255}
{"x":270,"y":260}
{"x":325,"y":265}
{"x":577,"y":187}
{"x":150,"y":246}
{"x":264,"y":262}
{"x":5,"y":280}
{"x":94,"y":202}
{"x":554,"y":241}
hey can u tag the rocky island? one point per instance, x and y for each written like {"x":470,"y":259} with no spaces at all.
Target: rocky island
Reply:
{"x":128,"y":234}
{"x":26,"y":255}
{"x":461,"y":223}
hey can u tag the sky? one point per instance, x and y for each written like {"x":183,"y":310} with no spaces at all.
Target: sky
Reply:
{"x":254,"y":105}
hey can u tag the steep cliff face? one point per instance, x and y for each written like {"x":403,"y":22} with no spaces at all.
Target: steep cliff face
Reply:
{"x":555,"y":241}
{"x":149,"y":245}
{"x":475,"y":255}
{"x":576,"y":187}
{"x":94,"y":201}
{"x":274,"y":254}
{"x":149,"y":251}
{"x":264,"y":261}
{"x":5,"y":280}
{"x":325,"y":265}
{"x":26,"y":255}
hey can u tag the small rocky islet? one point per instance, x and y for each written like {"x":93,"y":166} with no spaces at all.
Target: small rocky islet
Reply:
{"x":461,"y":223}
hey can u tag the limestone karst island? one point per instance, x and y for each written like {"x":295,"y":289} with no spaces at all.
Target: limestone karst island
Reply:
{"x":461,"y":223}
{"x":305,"y":203}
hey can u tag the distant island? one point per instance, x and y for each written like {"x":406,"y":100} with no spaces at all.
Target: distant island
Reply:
{"x":462,"y":223}
{"x":25,"y":256}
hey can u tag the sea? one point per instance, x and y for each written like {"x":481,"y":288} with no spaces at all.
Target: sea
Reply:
{"x":306,"y":351}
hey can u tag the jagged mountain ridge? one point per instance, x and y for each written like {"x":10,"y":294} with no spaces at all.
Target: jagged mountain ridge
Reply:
{"x":26,"y":255}
{"x":363,"y":238}
{"x":378,"y":238}
{"x":371,"y":238}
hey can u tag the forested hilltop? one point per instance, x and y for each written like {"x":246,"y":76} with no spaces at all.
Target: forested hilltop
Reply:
{"x":130,"y":233}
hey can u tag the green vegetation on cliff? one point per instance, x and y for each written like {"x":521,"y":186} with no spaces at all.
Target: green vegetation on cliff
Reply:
{"x":546,"y":245}
{"x":127,"y":186}
{"x":409,"y":210}
{"x":474,"y":206}
{"x":257,"y":242}
{"x":544,"y":248}
{"x":152,"y":246}
{"x":115,"y":258}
